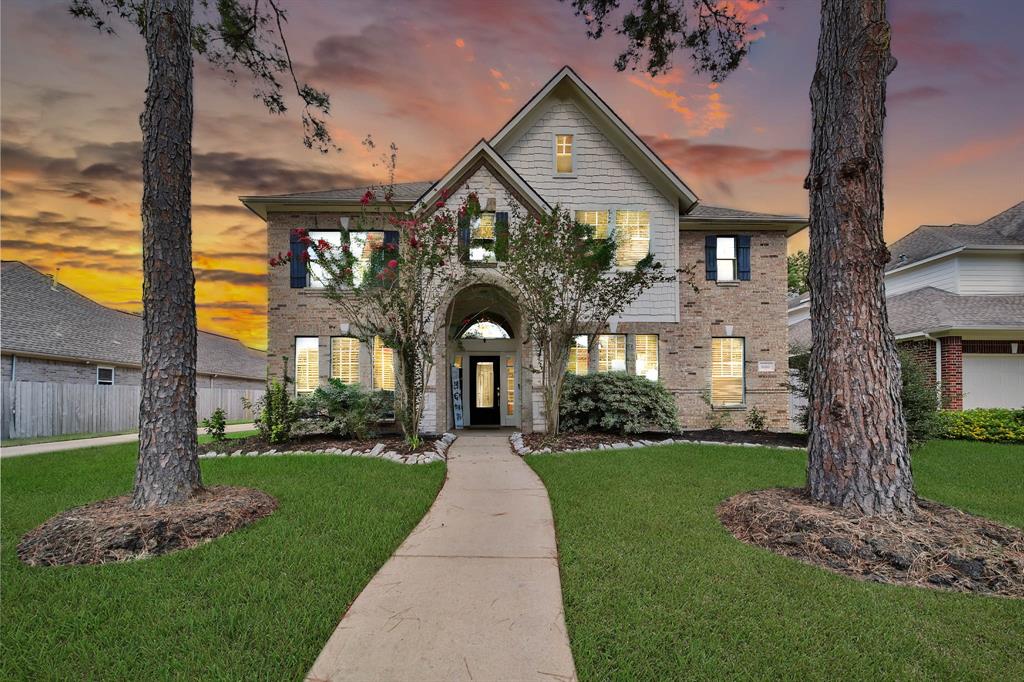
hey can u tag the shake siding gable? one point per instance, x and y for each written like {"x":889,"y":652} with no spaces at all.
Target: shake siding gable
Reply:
{"x":602,"y":179}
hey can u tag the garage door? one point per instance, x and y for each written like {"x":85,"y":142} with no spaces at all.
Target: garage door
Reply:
{"x":993,"y":380}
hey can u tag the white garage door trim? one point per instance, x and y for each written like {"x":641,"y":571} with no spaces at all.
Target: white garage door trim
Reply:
{"x":993,"y":380}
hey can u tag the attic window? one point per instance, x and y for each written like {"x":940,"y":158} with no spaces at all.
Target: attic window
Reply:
{"x":104,"y":376}
{"x":563,"y":154}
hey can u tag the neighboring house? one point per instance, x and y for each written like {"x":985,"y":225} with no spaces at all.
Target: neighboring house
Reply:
{"x":955,"y":297}
{"x":726,"y":344}
{"x":50,"y":333}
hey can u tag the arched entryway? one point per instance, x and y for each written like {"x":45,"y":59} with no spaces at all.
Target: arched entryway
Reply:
{"x":484,"y":345}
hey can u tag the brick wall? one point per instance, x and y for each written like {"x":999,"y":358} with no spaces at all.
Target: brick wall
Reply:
{"x":923,"y":352}
{"x":952,"y":372}
{"x":756,"y":312}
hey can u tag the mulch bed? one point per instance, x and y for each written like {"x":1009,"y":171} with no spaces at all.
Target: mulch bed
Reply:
{"x":110,"y":530}
{"x":317,"y":442}
{"x":592,"y":440}
{"x":940,"y":547}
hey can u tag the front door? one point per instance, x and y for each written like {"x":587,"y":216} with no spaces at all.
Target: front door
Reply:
{"x":483,"y":390}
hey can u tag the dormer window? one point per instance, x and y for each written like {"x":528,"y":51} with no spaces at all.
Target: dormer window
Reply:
{"x":563,"y":154}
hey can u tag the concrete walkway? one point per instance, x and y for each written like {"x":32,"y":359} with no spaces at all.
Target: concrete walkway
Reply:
{"x":56,"y":446}
{"x":473,"y":593}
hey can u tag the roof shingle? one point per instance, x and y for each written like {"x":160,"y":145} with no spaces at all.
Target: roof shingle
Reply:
{"x":38,"y":318}
{"x":1004,"y":229}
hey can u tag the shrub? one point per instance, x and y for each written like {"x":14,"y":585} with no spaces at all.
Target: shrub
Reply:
{"x":617,"y":403}
{"x":276,"y":413}
{"x":346,"y":410}
{"x":917,"y":393}
{"x":992,"y":425}
{"x":756,"y":420}
{"x":214,"y":425}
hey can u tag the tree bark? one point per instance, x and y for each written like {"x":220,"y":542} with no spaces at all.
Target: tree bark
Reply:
{"x":857,"y":451}
{"x":168,"y":467}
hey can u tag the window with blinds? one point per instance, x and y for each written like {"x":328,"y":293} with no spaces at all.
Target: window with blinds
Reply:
{"x":646,"y":355}
{"x":563,"y":153}
{"x":345,"y":359}
{"x":596,"y":219}
{"x":632,"y":237}
{"x":383,"y":366}
{"x":307,"y":364}
{"x":579,"y":356}
{"x":363,"y":245}
{"x":727,"y":371}
{"x":611,"y":353}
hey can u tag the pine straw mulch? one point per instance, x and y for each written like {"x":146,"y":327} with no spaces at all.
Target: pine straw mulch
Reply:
{"x":940,"y":548}
{"x":108,"y":530}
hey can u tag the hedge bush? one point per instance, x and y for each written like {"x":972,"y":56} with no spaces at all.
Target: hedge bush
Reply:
{"x":616,"y":402}
{"x":992,"y":425}
{"x":345,"y":410}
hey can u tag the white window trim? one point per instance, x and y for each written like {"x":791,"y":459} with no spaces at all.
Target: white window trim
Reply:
{"x":735,"y":260}
{"x":554,"y":154}
{"x":311,"y":281}
{"x":113,"y":376}
{"x":609,"y":211}
{"x":743,"y":377}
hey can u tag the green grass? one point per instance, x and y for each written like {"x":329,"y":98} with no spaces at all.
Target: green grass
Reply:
{"x":655,"y":588}
{"x":257,"y":604}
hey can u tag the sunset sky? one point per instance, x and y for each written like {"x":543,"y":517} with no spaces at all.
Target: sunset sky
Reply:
{"x":435,"y":77}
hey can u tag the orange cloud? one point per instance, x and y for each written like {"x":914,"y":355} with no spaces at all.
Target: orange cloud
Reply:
{"x":977,"y":150}
{"x":460,"y":43}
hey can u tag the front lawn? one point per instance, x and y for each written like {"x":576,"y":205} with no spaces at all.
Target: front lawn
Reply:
{"x":655,"y":588}
{"x":257,"y":604}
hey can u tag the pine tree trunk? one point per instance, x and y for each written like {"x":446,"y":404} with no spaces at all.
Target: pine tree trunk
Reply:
{"x":168,"y":467}
{"x":857,"y":451}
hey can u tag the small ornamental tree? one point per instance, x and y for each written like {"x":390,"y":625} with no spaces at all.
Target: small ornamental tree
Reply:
{"x":566,"y":286}
{"x":397,"y":293}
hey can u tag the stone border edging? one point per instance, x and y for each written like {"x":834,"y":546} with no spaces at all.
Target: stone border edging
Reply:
{"x":521,"y":449}
{"x":379,"y":451}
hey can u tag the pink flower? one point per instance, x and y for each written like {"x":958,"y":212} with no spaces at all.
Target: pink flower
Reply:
{"x":413,"y":242}
{"x":305,"y":256}
{"x":439,"y":204}
{"x":344,"y":248}
{"x":392,"y":264}
{"x":323,"y":245}
{"x":273,"y":262}
{"x":367,"y":198}
{"x":289,"y":255}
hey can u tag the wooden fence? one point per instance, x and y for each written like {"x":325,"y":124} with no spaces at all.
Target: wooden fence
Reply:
{"x":32,"y":409}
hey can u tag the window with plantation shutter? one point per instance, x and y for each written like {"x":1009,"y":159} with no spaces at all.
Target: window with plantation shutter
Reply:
{"x":611,"y":353}
{"x":579,"y":357}
{"x":726,"y":371}
{"x":632,"y":237}
{"x":383,"y":366}
{"x":596,"y":219}
{"x":307,"y":364}
{"x":345,"y":359}
{"x":647,"y":355}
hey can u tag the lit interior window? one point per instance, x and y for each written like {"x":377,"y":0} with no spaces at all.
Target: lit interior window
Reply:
{"x":611,"y":353}
{"x":307,"y":364}
{"x":383,"y":366}
{"x":579,"y":357}
{"x":563,"y":153}
{"x":632,"y":237}
{"x":597,"y":219}
{"x":647,"y":355}
{"x":727,"y":371}
{"x":510,"y":386}
{"x":345,"y":359}
{"x":485,"y":384}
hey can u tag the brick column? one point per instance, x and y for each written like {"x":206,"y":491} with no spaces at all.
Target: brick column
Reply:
{"x":952,"y":372}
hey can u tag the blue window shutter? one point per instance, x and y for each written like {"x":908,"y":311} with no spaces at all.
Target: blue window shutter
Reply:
{"x":743,"y":256}
{"x":298,"y":264}
{"x":710,"y":257}
{"x":464,"y":236}
{"x":501,"y":235}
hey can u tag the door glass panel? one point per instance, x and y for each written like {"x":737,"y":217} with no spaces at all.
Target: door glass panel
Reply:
{"x":510,"y":386}
{"x":484,"y":384}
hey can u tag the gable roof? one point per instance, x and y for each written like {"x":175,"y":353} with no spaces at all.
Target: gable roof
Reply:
{"x":931,"y":310}
{"x":404,"y":193}
{"x":482,"y":152}
{"x":41,"y":319}
{"x":628,"y":142}
{"x":1004,"y":230}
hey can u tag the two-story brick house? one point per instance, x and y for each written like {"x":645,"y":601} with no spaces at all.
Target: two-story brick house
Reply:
{"x":725,"y":344}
